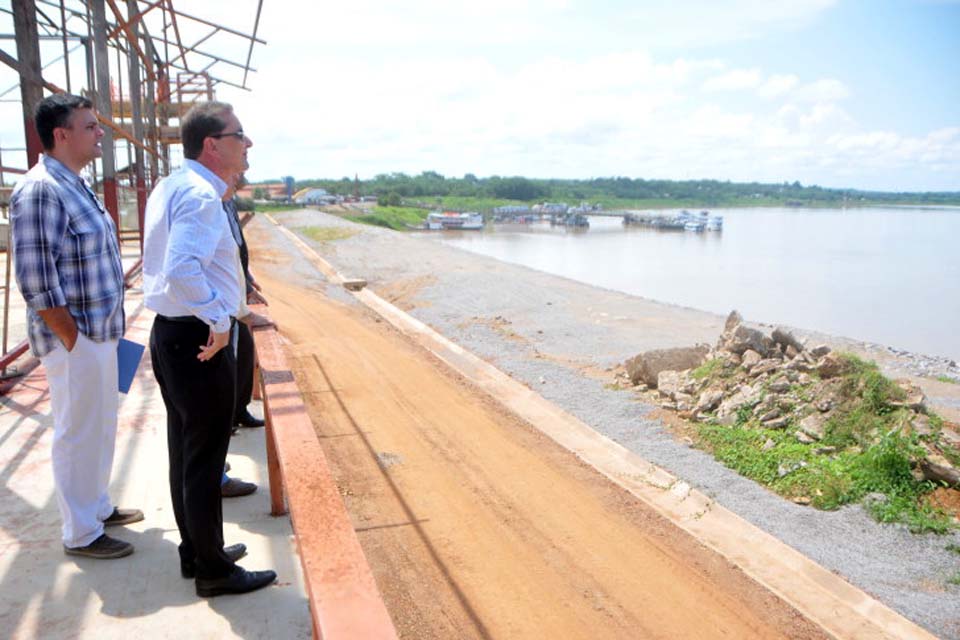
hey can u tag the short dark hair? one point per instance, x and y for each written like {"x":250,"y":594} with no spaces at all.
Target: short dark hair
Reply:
{"x":54,"y":112}
{"x":204,"y":119}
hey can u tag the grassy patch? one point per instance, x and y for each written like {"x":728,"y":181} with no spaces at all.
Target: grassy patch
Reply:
{"x":707,"y":369}
{"x":463,"y":203}
{"x":953,"y":548}
{"x":397,"y":218}
{"x":954,"y":579}
{"x":866,"y":410}
{"x":776,"y":459}
{"x":327,"y":234}
{"x":951,"y":453}
{"x":947,"y":379}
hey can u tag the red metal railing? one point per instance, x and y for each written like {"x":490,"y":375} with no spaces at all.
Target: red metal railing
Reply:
{"x":344,"y":600}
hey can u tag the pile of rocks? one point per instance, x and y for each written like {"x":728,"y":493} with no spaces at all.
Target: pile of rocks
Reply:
{"x":776,"y":382}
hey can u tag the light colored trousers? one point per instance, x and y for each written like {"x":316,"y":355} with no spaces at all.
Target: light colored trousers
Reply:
{"x":84,"y":400}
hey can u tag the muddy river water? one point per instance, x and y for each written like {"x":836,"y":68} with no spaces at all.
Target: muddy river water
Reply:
{"x":885,"y":275}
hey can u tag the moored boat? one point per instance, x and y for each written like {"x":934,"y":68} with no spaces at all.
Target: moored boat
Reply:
{"x":438,"y":220}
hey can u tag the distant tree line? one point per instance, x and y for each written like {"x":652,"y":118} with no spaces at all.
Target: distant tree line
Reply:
{"x":705,"y":192}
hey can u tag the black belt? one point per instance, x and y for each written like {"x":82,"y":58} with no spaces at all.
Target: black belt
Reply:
{"x":190,"y":319}
{"x":183,"y":319}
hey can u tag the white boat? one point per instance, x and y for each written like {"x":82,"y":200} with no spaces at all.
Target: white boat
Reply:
{"x":450,"y":220}
{"x":694,"y":225}
{"x":715,"y":223}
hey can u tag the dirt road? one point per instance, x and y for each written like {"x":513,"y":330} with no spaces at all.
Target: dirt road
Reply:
{"x":476,"y":525}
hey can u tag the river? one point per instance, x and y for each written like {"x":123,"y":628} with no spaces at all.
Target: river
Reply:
{"x":888,"y":275}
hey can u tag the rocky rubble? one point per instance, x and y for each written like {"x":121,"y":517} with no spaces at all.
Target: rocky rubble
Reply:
{"x":776,"y":382}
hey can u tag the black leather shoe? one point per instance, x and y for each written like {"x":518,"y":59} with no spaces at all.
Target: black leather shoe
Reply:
{"x":102,"y":548}
{"x":240,"y":581}
{"x":247,"y":420}
{"x":235,"y":551}
{"x":123,"y":516}
{"x":235,"y":487}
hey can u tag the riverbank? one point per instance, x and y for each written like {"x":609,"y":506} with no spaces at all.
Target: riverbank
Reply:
{"x":560,"y":337}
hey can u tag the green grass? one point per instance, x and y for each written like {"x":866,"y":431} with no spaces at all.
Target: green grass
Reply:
{"x":866,"y":410}
{"x":792,"y":470}
{"x":951,"y":453}
{"x":947,"y":379}
{"x":327,"y":234}
{"x":462,"y":203}
{"x":954,"y":579}
{"x":707,"y":369}
{"x":398,"y":218}
{"x":870,"y":453}
{"x":953,"y":548}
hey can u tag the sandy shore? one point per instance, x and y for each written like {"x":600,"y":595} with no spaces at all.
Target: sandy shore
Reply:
{"x":560,"y":337}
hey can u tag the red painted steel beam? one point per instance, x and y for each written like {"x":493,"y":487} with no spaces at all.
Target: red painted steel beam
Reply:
{"x":111,"y":201}
{"x":139,"y":17}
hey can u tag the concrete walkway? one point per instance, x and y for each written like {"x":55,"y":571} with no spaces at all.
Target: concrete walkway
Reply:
{"x":47,"y":594}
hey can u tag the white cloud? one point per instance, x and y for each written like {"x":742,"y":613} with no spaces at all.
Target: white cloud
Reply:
{"x":777,"y":85}
{"x":546,"y":88}
{"x":824,"y":90}
{"x":734,"y":80}
{"x":712,"y":122}
{"x":707,"y":22}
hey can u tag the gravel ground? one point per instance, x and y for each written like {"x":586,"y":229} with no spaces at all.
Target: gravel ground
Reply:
{"x":556,"y":335}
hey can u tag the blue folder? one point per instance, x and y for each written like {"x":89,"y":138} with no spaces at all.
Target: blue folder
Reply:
{"x":128,"y":359}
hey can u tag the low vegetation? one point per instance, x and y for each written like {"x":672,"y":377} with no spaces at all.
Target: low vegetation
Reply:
{"x":615,"y":192}
{"x":465,"y":203}
{"x":868,"y":452}
{"x":820,"y":428}
{"x":398,"y":218}
{"x":327,"y":234}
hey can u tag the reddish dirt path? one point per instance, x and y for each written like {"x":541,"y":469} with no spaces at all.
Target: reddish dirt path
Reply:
{"x":476,"y":525}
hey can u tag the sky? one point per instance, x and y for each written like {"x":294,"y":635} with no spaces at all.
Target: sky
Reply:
{"x":840,"y":93}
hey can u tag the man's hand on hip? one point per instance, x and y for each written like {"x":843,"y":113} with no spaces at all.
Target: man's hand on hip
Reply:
{"x":62,"y":324}
{"x":215,"y":342}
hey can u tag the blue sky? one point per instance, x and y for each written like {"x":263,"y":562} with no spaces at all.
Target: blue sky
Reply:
{"x":832,"y":92}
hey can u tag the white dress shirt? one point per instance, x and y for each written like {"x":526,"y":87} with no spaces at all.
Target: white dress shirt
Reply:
{"x":189,"y":254}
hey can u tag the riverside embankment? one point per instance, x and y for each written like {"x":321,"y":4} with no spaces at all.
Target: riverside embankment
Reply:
{"x":559,"y":337}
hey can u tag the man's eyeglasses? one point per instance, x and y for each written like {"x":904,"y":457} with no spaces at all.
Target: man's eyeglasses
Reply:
{"x":239,"y":135}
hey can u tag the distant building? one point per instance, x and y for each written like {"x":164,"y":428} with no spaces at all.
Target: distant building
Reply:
{"x":314,"y":195}
{"x":272,"y":191}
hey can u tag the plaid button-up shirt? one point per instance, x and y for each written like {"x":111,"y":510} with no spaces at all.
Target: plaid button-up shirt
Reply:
{"x":66,"y":254}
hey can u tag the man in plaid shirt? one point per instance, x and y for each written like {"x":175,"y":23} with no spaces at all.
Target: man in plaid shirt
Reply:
{"x":68,"y":270}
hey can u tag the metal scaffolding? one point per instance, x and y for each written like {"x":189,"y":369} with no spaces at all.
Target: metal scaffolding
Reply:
{"x":143,"y":64}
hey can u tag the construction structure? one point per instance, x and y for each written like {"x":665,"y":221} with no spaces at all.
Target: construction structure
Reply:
{"x":143,"y":64}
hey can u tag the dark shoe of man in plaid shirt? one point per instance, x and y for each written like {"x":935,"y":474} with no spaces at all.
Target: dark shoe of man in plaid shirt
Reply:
{"x":68,"y":270}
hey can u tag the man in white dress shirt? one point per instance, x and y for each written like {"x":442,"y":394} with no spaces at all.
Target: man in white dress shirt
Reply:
{"x":191,"y":282}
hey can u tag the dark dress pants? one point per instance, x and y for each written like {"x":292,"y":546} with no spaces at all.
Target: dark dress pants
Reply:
{"x":199,"y":397}
{"x":244,"y":369}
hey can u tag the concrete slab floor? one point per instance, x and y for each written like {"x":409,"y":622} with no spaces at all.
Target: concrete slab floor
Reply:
{"x":47,"y":594}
